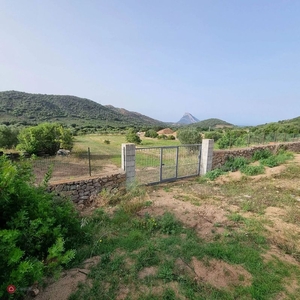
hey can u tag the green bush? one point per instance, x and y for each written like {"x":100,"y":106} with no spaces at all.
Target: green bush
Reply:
{"x":215,"y":135}
{"x":8,"y":136}
{"x":132,"y":137}
{"x":233,"y":138}
{"x":151,"y":133}
{"x":46,"y":138}
{"x":189,"y":136}
{"x":37,"y":229}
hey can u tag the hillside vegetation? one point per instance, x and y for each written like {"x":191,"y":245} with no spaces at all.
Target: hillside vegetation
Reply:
{"x":29,"y":109}
{"x":211,"y":123}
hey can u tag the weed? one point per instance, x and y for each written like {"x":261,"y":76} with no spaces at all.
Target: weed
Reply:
{"x":261,"y":154}
{"x":165,"y":272}
{"x":234,"y":163}
{"x":252,"y":170}
{"x":291,"y":172}
{"x":293,"y":215}
{"x":147,"y":257}
{"x":277,"y":159}
{"x":168,"y":224}
{"x":236,"y":217}
{"x":168,"y":294}
{"x":212,"y":175}
{"x":167,"y":189}
{"x":270,"y":162}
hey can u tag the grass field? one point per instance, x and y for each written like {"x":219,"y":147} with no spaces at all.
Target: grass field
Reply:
{"x":112,"y":151}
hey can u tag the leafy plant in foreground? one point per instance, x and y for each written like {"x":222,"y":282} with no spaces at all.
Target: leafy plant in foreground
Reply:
{"x":37,"y":230}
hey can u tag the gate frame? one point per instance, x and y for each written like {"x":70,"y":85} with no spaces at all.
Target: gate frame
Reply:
{"x":205,"y":162}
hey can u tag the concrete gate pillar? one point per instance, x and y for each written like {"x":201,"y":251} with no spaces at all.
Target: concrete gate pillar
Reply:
{"x":128,"y":162}
{"x":206,"y":156}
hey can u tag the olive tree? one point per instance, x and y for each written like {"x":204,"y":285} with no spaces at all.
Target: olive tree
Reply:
{"x":189,"y":136}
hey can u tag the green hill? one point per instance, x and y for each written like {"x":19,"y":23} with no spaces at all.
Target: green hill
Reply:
{"x":212,"y":123}
{"x":28,"y":109}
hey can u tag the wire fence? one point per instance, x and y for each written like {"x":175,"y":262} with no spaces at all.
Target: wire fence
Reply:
{"x":250,"y":139}
{"x":74,"y":165}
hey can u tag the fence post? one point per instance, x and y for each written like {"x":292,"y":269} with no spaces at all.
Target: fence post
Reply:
{"x":128,"y":162}
{"x":206,"y":156}
{"x":89,"y":158}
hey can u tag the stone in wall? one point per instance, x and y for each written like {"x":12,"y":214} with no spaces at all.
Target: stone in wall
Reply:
{"x":83,"y":192}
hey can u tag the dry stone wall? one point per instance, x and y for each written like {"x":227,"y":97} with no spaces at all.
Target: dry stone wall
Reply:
{"x":83,"y":192}
{"x":220,"y":156}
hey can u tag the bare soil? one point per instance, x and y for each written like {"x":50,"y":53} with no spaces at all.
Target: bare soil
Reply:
{"x":67,"y":284}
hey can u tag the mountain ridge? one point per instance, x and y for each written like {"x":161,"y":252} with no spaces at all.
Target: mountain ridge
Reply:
{"x":133,"y":114}
{"x":29,"y":109}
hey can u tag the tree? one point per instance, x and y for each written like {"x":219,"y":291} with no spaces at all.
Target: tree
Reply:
{"x":189,"y":136}
{"x":132,"y":137}
{"x":8,"y":136}
{"x":233,"y":138}
{"x":215,"y":135}
{"x":151,"y":133}
{"x":45,"y":138}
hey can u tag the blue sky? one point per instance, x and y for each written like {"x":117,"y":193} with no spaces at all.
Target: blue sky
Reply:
{"x":236,"y":60}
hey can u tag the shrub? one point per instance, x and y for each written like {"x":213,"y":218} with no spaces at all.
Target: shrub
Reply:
{"x":151,"y":133}
{"x":107,"y":142}
{"x":45,"y":138}
{"x":162,"y":137}
{"x":215,"y":135}
{"x":189,"y":136}
{"x":233,"y":138}
{"x":8,"y":136}
{"x":37,"y":230}
{"x":132,"y":137}
{"x":171,"y":137}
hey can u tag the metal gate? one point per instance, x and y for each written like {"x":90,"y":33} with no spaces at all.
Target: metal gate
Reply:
{"x":160,"y":164}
